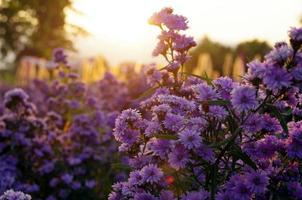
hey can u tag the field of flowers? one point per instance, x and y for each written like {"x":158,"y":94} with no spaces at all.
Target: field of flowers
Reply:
{"x":163,"y":135}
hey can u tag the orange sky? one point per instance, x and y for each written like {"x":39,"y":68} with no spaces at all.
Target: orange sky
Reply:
{"x":120,"y":32}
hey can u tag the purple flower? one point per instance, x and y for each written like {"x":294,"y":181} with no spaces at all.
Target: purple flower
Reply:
{"x":257,"y":182}
{"x":295,"y":189}
{"x":178,"y":158}
{"x":243,"y":98}
{"x":173,"y":122}
{"x":90,"y":183}
{"x":175,"y":22}
{"x":190,"y":138}
{"x":183,"y":43}
{"x":253,"y":123}
{"x":159,"y":17}
{"x":160,"y":147}
{"x":14,"y":98}
{"x":256,"y":69}
{"x":241,"y":191}
{"x":204,"y":92}
{"x":126,"y":126}
{"x":295,"y":34}
{"x":270,"y":124}
{"x":294,"y":143}
{"x":151,"y":174}
{"x":161,"y":49}
{"x":59,"y":56}
{"x":196,"y":195}
{"x":280,"y":54}
{"x":135,"y":178}
{"x":12,"y":195}
{"x":277,"y":78}
{"x":166,"y":195}
{"x":67,"y":178}
{"x":217,"y":112}
{"x":224,"y":196}
{"x":144,"y":196}
{"x":224,"y":87}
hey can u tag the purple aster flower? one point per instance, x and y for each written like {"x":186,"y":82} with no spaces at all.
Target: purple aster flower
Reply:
{"x":175,"y":22}
{"x":270,"y":124}
{"x":196,"y":195}
{"x":178,"y":158}
{"x":243,"y":98}
{"x":297,"y":72}
{"x":151,"y":174}
{"x":257,"y":182}
{"x":173,"y":67}
{"x":12,"y":195}
{"x":135,"y":178}
{"x":173,"y":122}
{"x":160,"y":49}
{"x":294,"y":143}
{"x":190,"y":138}
{"x":241,"y":191}
{"x":159,"y":17}
{"x":160,"y":147}
{"x":114,"y":196}
{"x":197,"y":123}
{"x":295,"y":189}
{"x":205,"y":152}
{"x":126,"y":126}
{"x":183,"y":43}
{"x":144,"y":196}
{"x":178,"y":103}
{"x":166,"y":195}
{"x":67,"y":178}
{"x":277,"y":78}
{"x":295,"y":35}
{"x":153,"y":75}
{"x":224,"y":196}
{"x":59,"y":56}
{"x":256,"y":69}
{"x":224,"y":87}
{"x":152,"y":128}
{"x":217,"y":112}
{"x":14,"y":98}
{"x":268,"y":146}
{"x":280,"y":54}
{"x":204,"y":92}
{"x":90,"y":183}
{"x":253,"y":124}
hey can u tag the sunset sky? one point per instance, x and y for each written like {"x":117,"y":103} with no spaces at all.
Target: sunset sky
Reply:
{"x":119,"y":28}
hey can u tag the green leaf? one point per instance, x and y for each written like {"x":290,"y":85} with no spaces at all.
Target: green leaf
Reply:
{"x":219,"y":102}
{"x":279,"y":116}
{"x":147,"y":93}
{"x":205,"y":77}
{"x":238,"y":153}
{"x":120,"y":166}
{"x":166,"y":136}
{"x":214,"y":173}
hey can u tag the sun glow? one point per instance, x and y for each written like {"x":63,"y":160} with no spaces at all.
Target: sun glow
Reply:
{"x":119,"y":28}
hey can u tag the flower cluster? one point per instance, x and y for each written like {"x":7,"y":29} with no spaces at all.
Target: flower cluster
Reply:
{"x":12,"y":195}
{"x":56,"y":138}
{"x":195,"y":138}
{"x":172,"y":44}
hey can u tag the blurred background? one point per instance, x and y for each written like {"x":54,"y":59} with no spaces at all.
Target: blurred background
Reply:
{"x":114,"y":35}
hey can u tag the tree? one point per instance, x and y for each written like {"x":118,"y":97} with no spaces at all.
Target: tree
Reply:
{"x":34,"y":27}
{"x":216,"y":51}
{"x":248,"y":50}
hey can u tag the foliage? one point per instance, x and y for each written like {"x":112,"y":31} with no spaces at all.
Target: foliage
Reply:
{"x":28,"y":28}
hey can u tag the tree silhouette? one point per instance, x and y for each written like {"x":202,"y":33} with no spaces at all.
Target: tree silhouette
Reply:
{"x":34,"y":27}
